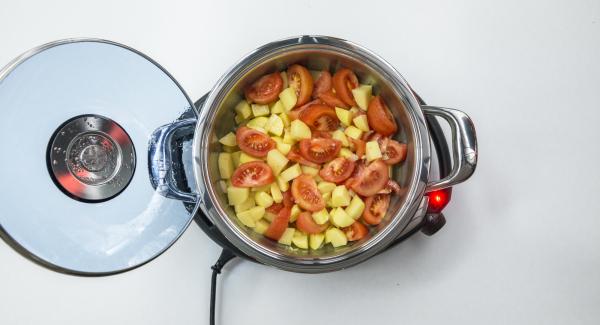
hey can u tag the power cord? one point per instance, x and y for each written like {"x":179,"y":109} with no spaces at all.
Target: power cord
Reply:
{"x":226,"y":256}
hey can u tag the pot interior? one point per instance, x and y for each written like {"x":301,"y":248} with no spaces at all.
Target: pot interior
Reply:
{"x":314,"y":57}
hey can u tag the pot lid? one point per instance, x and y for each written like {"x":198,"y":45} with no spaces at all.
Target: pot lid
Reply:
{"x":77,"y":119}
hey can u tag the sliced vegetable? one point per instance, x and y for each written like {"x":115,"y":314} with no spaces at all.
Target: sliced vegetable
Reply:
{"x":251,"y":174}
{"x":362,"y":95}
{"x":279,"y":224}
{"x":319,"y":150}
{"x":306,"y":223}
{"x":337,"y":170}
{"x":380,"y":118}
{"x":254,"y":142}
{"x":376,"y":207}
{"x":265,"y":90}
{"x":372,"y":179}
{"x":306,"y":194}
{"x":320,"y":117}
{"x":322,"y":84}
{"x":356,"y":231}
{"x":344,"y":80}
{"x":300,"y":79}
{"x":225,"y":165}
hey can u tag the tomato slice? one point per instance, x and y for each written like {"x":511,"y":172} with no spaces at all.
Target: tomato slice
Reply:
{"x":288,"y":199}
{"x":320,"y":117}
{"x":375,"y":208}
{"x":253,"y":142}
{"x":380,"y":118}
{"x":359,"y":147}
{"x":392,"y":186}
{"x":394,"y":152}
{"x":265,"y":90}
{"x":322,"y":84}
{"x":274,"y":208}
{"x":301,"y":80}
{"x":306,"y":223}
{"x":306,"y":194}
{"x":356,"y":231}
{"x":251,"y":174}
{"x":344,"y":80}
{"x":337,"y":170}
{"x":279,"y":224}
{"x":295,"y":156}
{"x":295,"y":113}
{"x":372,"y":179}
{"x":331,"y":99}
{"x":322,"y":134}
{"x":320,"y":150}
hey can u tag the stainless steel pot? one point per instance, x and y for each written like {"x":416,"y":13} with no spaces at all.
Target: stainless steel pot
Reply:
{"x":216,"y":118}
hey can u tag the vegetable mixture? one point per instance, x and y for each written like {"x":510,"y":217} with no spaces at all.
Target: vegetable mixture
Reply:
{"x":310,"y":161}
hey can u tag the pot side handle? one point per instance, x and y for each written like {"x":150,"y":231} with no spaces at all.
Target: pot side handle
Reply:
{"x":161,"y":160}
{"x":464,"y":146}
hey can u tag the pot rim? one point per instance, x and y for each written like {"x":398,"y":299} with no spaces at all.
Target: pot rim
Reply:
{"x":416,"y":202}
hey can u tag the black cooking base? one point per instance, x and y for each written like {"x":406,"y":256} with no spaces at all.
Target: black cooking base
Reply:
{"x":444,"y":165}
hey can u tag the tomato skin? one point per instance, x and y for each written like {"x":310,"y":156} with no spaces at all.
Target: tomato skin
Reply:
{"x":359,"y":147}
{"x":288,"y":199}
{"x":320,"y":117}
{"x":320,"y":150}
{"x":380,"y":118}
{"x":331,"y":99}
{"x":392,"y":186}
{"x":372,"y":179}
{"x":337,"y":170}
{"x":306,"y":194}
{"x":301,"y":80}
{"x":251,"y":174}
{"x":265,"y":90}
{"x":274,"y":208}
{"x":356,"y":231}
{"x":294,"y":114}
{"x":394,"y":152}
{"x":279,"y":224}
{"x":323,"y":84}
{"x":295,"y":156}
{"x":307,"y":224}
{"x":253,"y":142}
{"x":344,"y":80}
{"x":375,"y":208}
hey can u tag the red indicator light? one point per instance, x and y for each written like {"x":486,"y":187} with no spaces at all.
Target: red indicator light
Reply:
{"x":438,"y":200}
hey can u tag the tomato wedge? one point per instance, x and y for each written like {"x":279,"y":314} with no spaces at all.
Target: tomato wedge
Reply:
{"x":251,"y":174}
{"x":322,"y":84}
{"x":320,"y":117}
{"x":279,"y":224}
{"x":295,"y":156}
{"x":331,"y":99}
{"x":306,"y":223}
{"x":372,"y":179}
{"x":306,"y":194}
{"x":344,"y":80}
{"x":392,"y":186}
{"x":288,"y":199}
{"x":265,"y":90}
{"x":394,"y":152}
{"x":295,"y":113}
{"x":359,"y":147}
{"x":380,"y":118}
{"x":301,"y":80}
{"x":337,"y":170}
{"x":320,"y":150}
{"x":356,"y":231}
{"x":253,"y":142}
{"x":375,"y":208}
{"x":274,"y":208}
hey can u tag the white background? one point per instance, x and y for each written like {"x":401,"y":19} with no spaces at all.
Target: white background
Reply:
{"x":522,"y":242}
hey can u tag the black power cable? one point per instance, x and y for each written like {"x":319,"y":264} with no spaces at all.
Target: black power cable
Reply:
{"x":226,"y":256}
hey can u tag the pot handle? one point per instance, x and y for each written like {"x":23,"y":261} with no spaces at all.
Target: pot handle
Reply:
{"x":161,"y":161}
{"x":464,"y":144}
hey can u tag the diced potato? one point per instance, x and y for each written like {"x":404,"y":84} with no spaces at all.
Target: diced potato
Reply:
{"x":287,"y":137}
{"x":228,"y":140}
{"x":288,"y":98}
{"x":372,"y":151}
{"x":347,"y":153}
{"x":327,"y":199}
{"x":344,"y":116}
{"x":341,"y":219}
{"x":340,"y":136}
{"x":261,"y":226}
{"x":255,"y":213}
{"x":269,"y":216}
{"x":237,"y":195}
{"x":291,"y":173}
{"x":326,"y":187}
{"x":246,"y":220}
{"x":315,"y":241}
{"x":229,"y":149}
{"x":299,"y":130}
{"x":295,"y":212}
{"x":283,"y":185}
{"x":246,"y":205}
{"x":285,"y":79}
{"x":287,"y":236}
{"x":235,"y":156}
{"x":317,"y":178}
{"x":277,"y":108}
{"x":263,"y":199}
{"x":276,"y":193}
{"x":260,"y":110}
{"x":285,"y":119}
{"x":361,"y":123}
{"x":336,"y":237}
{"x":243,"y":109}
{"x":264,"y":188}
{"x":282,"y":146}
{"x":274,"y":125}
{"x":309,"y":170}
{"x":353,"y":132}
{"x":321,"y":217}
{"x":277,"y":161}
{"x":239,"y":119}
{"x":244,"y":158}
{"x":223,"y":186}
{"x":225,"y":165}
{"x":362,"y":95}
{"x":258,"y":122}
{"x":340,"y":196}
{"x":356,"y":207}
{"x":300,"y":239}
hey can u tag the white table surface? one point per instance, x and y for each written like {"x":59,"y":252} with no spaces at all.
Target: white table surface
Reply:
{"x":522,"y":241}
